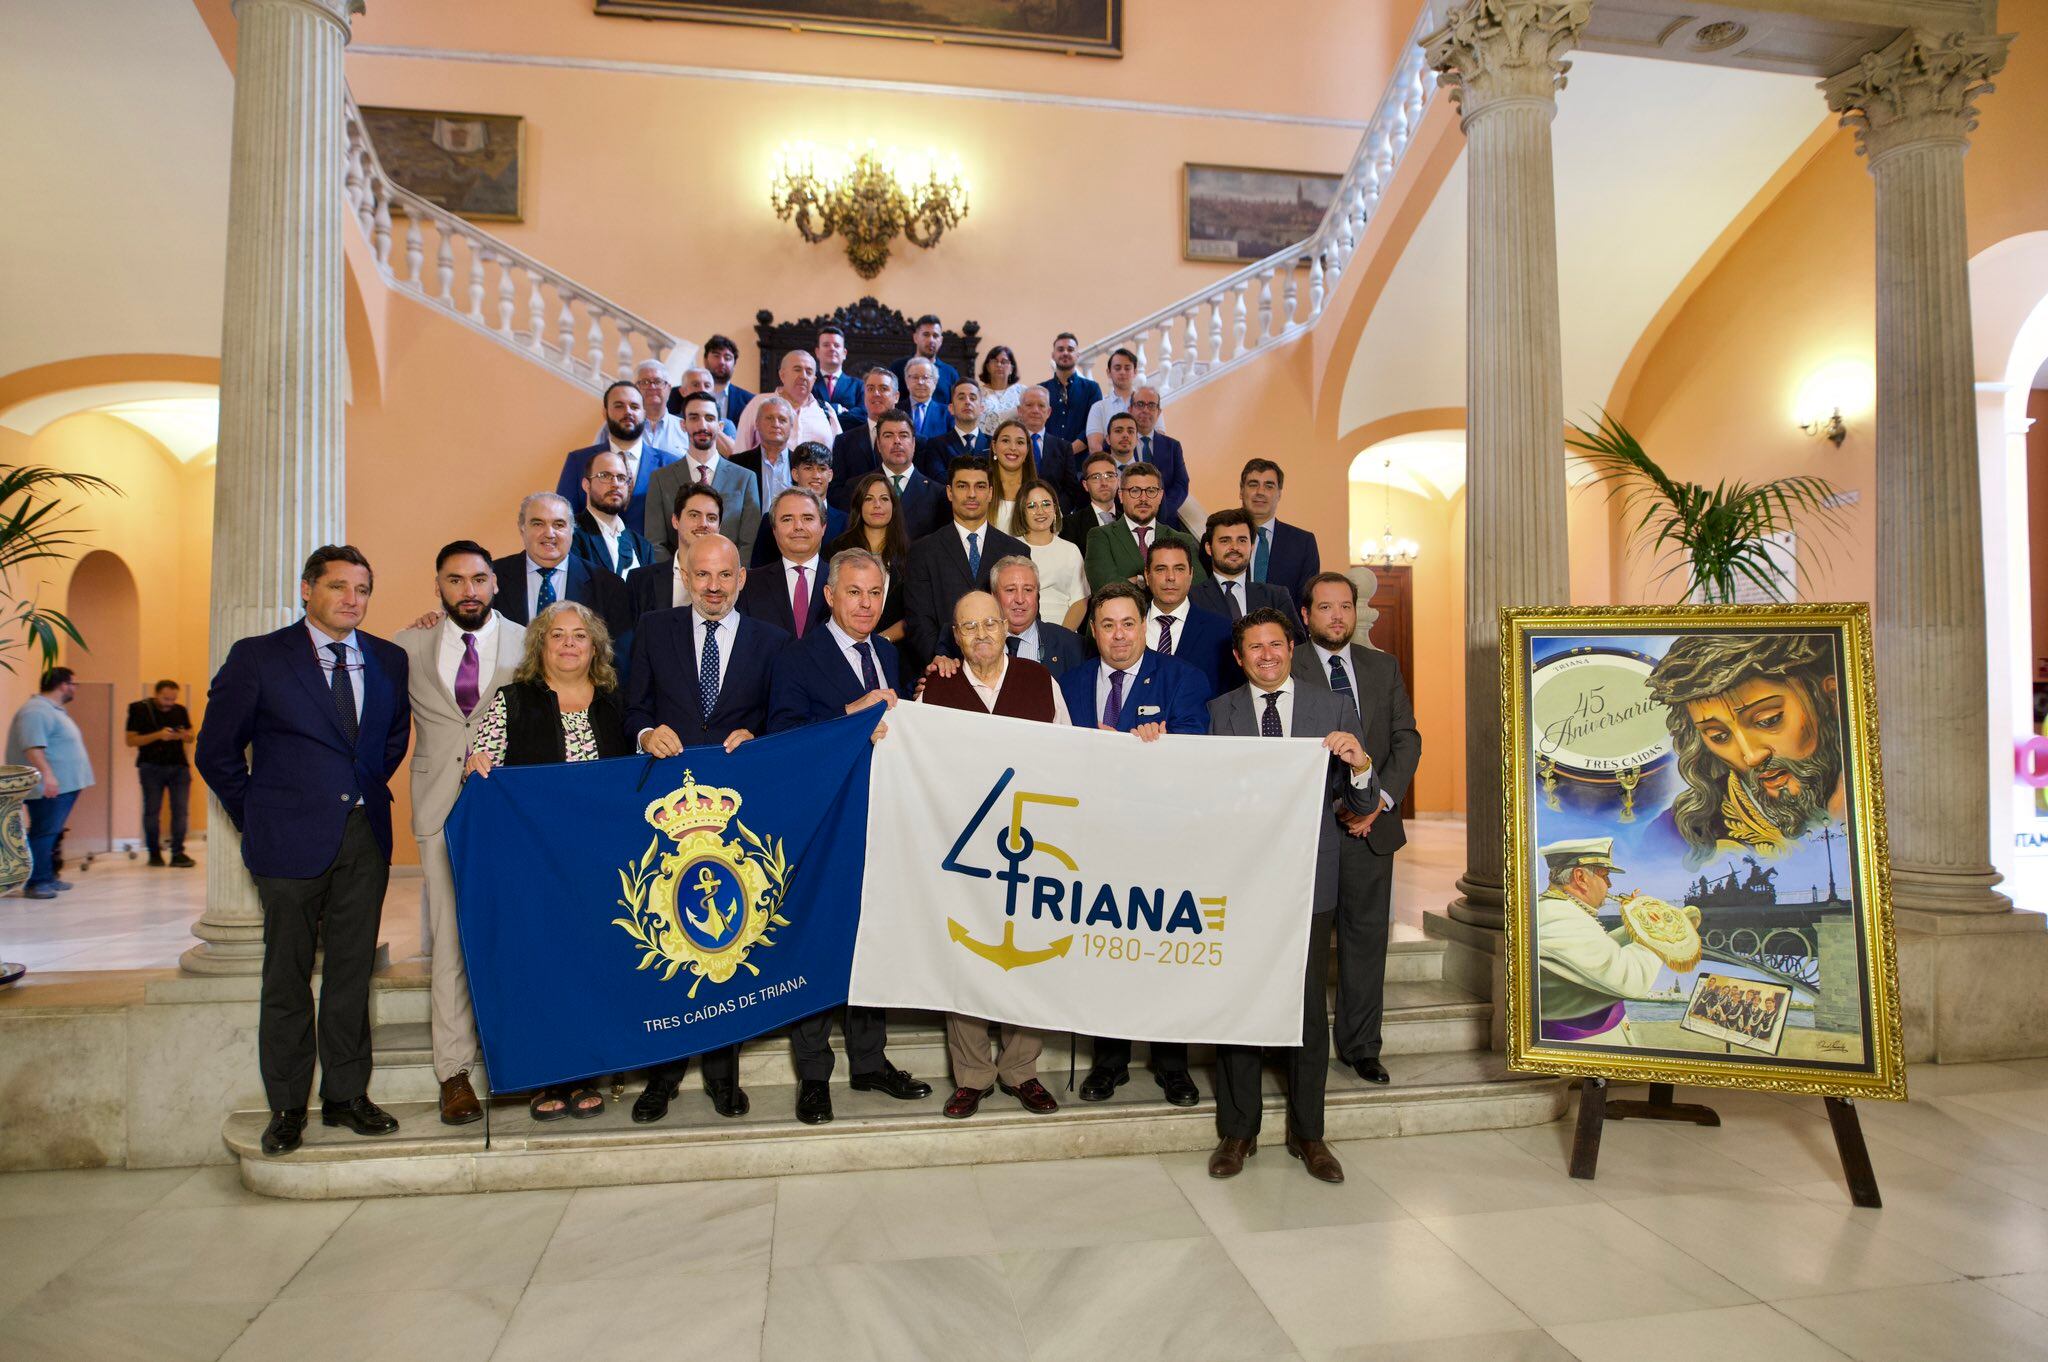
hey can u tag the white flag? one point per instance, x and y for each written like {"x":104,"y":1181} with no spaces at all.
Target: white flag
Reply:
{"x":1075,"y":880}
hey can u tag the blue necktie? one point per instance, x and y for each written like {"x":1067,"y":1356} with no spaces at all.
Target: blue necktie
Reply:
{"x":1013,"y":643}
{"x":547,"y":590}
{"x":707,"y":670}
{"x":1037,"y":452}
{"x":869,"y":677}
{"x":344,"y":693}
{"x":1262,"y":555}
{"x":625,"y":552}
{"x":1113,"y":711}
{"x":974,"y":553}
{"x":1339,"y":680}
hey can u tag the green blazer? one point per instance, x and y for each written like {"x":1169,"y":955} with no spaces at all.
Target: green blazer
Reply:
{"x":1113,"y":555}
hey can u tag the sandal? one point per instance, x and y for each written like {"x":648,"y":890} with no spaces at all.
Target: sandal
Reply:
{"x":534,"y":1107}
{"x":585,"y":1103}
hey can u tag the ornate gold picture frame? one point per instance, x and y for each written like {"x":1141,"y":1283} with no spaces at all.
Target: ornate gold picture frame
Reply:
{"x":1695,"y":791}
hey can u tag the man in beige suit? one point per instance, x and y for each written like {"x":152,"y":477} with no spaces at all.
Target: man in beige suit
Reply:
{"x":457,"y":666}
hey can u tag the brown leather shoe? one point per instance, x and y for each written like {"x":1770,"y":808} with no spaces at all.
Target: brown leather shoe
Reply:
{"x":965,"y":1102}
{"x":1228,"y":1160}
{"x":1315,"y":1156}
{"x":1032,"y":1094}
{"x":458,"y":1102}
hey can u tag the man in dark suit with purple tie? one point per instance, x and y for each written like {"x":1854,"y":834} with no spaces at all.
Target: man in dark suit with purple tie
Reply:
{"x":303,"y":730}
{"x":839,"y":667}
{"x":797,"y":518}
{"x":701,"y":675}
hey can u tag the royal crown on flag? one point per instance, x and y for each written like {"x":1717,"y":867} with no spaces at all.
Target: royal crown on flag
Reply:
{"x":694,"y":808}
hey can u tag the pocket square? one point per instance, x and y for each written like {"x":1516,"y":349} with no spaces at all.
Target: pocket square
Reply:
{"x":1143,"y":710}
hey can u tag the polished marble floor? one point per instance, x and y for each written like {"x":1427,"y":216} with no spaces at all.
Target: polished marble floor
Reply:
{"x":1731,"y":1245}
{"x":124,"y":915}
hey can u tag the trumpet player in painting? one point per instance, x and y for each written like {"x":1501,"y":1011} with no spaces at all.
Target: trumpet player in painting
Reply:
{"x":1587,"y":970}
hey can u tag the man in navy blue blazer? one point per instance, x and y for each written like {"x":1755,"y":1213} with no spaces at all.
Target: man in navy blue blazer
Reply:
{"x":545,"y":571}
{"x":625,"y":426}
{"x":797,"y":521}
{"x":925,"y":340}
{"x":853,"y":453}
{"x":930,"y":415}
{"x":1073,"y":393}
{"x":810,"y":467}
{"x":1160,"y":450}
{"x":1132,"y":690}
{"x":1174,"y":628}
{"x":920,"y":500}
{"x":837,"y":669}
{"x":962,"y":434}
{"x":603,"y":535}
{"x":303,"y":730}
{"x":1281,"y":553}
{"x":700,"y":676}
{"x":1014,"y":583}
{"x":951,"y":561}
{"x":836,"y":388}
{"x":719,"y":356}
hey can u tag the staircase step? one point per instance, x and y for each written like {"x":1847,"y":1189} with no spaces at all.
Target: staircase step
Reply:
{"x":1429,"y":1017}
{"x":1466,"y":1091}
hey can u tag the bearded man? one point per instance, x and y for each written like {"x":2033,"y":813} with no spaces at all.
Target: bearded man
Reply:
{"x":1757,"y":728}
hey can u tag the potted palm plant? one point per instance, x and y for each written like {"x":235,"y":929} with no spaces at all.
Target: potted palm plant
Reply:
{"x":1722,"y":537}
{"x":33,"y":526}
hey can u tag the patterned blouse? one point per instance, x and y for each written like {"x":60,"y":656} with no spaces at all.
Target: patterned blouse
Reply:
{"x":577,"y":735}
{"x":998,"y":407}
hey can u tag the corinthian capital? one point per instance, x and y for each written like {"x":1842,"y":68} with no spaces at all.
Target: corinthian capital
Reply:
{"x":1922,"y":88}
{"x":1492,"y":50}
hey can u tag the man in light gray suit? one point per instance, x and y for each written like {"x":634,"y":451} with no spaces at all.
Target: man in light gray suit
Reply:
{"x":456,"y":668}
{"x":1272,"y":704}
{"x":739,"y":491}
{"x":1336,"y":661}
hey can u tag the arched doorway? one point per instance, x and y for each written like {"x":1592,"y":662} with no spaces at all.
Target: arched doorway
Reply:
{"x":2009,"y":302}
{"x":103,"y":603}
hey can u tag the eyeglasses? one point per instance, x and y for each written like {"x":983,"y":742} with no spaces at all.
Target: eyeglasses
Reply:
{"x":979,"y":626}
{"x":1100,"y":477}
{"x":620,"y":478}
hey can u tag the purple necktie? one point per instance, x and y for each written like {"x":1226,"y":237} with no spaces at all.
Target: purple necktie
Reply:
{"x":466,"y":675}
{"x":1166,"y":634}
{"x":1113,"y":712}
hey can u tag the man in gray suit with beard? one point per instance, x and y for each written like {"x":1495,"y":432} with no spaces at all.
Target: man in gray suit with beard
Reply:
{"x":1371,"y":681}
{"x":455,"y":668}
{"x":738,"y":489}
{"x":1273,"y":704}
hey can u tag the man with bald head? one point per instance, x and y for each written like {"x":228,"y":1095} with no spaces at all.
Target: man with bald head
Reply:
{"x":700,"y":675}
{"x":991,"y":681}
{"x":796,"y":384}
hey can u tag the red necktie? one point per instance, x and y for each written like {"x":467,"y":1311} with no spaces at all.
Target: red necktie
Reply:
{"x":800,"y":603}
{"x":1144,"y":539}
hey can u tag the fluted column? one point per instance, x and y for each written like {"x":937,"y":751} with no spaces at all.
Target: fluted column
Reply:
{"x":1502,"y":60}
{"x":1912,"y":106}
{"x":278,"y":474}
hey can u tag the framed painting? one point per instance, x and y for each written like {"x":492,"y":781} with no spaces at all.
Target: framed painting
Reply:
{"x":1235,"y":214}
{"x":471,"y":164}
{"x":1697,"y":878}
{"x":1091,"y":28}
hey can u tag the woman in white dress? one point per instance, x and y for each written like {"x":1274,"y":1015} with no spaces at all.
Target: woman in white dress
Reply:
{"x":1000,"y":390}
{"x":1062,"y":581}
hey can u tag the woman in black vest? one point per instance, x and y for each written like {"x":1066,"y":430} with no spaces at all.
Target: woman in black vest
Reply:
{"x":562,"y":705}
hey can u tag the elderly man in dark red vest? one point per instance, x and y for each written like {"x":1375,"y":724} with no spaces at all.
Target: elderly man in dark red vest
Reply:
{"x":992,"y":682}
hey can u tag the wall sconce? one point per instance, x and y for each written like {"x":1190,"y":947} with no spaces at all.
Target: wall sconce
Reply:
{"x":868,"y":197}
{"x":1832,"y":430}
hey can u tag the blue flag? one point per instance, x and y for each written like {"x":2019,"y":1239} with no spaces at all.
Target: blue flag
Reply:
{"x":620,"y":914}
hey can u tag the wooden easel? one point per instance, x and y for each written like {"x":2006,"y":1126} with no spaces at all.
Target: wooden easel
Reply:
{"x":1595,"y":1110}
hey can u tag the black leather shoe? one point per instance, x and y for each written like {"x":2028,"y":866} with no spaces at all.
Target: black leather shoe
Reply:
{"x":652,"y":1104}
{"x":1371,"y":1070}
{"x":1179,"y":1088}
{"x":156,"y":860}
{"x":181,"y":861}
{"x":813,"y":1101}
{"x":285,"y":1131}
{"x":728,"y":1099}
{"x":1100,"y":1083}
{"x":359,"y":1114}
{"x":895,"y":1082}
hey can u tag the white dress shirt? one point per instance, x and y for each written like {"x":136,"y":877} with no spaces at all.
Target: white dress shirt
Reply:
{"x":774,"y":478}
{"x":850,"y":650}
{"x":533,"y":571}
{"x":352,"y":659}
{"x":987,"y":693}
{"x":448,"y":655}
{"x":981,"y":538}
{"x":1109,"y":405}
{"x":611,"y":528}
{"x":1180,"y":625}
{"x":630,"y":453}
{"x":1359,"y":779}
{"x":1150,"y":538}
{"x":789,"y":567}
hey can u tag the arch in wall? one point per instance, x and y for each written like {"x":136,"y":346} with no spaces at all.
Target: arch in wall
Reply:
{"x":2009,"y":322}
{"x":104,"y":604}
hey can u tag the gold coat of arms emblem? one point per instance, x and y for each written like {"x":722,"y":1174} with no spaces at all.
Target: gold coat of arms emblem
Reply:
{"x":703,"y":906}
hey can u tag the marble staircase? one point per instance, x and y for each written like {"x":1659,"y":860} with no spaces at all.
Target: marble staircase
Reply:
{"x":1436,"y":1046}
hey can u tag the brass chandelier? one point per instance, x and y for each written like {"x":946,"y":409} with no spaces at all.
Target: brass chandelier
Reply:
{"x":867,"y":197}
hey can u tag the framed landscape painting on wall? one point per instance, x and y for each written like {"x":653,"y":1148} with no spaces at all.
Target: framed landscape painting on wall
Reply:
{"x":1696,"y":880}
{"x":470,"y":164}
{"x":1236,"y":215}
{"x":1076,"y":27}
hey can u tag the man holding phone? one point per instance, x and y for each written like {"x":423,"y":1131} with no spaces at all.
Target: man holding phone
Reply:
{"x":159,"y":728}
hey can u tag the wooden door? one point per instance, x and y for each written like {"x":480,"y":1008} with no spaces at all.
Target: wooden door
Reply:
{"x":1394,"y":632}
